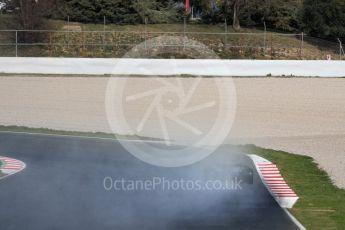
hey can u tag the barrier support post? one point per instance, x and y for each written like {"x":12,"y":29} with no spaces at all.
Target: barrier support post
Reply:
{"x":16,"y":43}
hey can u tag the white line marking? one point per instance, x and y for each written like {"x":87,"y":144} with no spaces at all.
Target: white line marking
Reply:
{"x":82,"y":137}
{"x":299,"y":225}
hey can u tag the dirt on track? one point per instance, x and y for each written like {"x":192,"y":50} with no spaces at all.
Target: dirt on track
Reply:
{"x":298,"y":115}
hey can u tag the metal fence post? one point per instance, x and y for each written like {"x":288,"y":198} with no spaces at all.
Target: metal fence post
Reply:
{"x":341,"y":50}
{"x":83,"y":34}
{"x":16,"y":43}
{"x":184,"y":31}
{"x":265,"y":36}
{"x":145,"y":35}
{"x":226,"y":33}
{"x":104,"y":22}
{"x":302,"y":44}
{"x":271,"y":46}
{"x":50,"y":44}
{"x":67,"y":32}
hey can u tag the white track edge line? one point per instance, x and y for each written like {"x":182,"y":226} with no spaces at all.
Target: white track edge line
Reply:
{"x":301,"y":227}
{"x":82,"y":137}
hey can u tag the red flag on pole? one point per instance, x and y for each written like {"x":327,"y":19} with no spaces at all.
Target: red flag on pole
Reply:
{"x":187,"y":6}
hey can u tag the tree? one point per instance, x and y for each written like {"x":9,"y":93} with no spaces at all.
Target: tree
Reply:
{"x":29,"y":14}
{"x":283,"y":14}
{"x":211,"y":10}
{"x":2,"y":6}
{"x":118,"y":11}
{"x":155,"y":11}
{"x":324,"y":18}
{"x":216,"y":11}
{"x":236,"y":5}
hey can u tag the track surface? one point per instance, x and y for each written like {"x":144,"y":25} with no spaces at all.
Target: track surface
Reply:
{"x":62,"y":188}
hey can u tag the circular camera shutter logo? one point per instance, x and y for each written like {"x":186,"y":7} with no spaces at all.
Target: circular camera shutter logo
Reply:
{"x":191,"y":116}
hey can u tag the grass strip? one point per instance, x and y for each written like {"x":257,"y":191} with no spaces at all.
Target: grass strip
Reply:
{"x":27,"y":130}
{"x":321,"y":204}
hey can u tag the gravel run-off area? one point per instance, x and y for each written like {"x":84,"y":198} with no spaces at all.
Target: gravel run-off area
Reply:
{"x":298,"y":115}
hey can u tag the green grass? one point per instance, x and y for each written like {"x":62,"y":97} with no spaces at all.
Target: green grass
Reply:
{"x":321,"y":204}
{"x":21,"y":129}
{"x":283,"y":46}
{"x":177,"y":27}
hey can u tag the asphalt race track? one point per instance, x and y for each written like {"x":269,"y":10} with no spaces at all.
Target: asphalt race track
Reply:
{"x":63,"y":188}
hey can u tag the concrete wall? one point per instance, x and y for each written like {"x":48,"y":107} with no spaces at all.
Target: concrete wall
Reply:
{"x":204,"y":67}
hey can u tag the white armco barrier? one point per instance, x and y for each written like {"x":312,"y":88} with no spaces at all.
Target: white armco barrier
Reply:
{"x":202,"y":67}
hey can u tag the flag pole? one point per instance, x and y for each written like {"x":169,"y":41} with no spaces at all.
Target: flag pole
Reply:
{"x":187,"y":6}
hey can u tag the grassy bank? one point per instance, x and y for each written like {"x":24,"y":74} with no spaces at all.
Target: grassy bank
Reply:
{"x":321,"y":204}
{"x":27,"y":130}
{"x":77,"y":40}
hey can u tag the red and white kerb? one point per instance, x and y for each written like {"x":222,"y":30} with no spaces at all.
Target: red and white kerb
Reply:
{"x":275,"y":181}
{"x":11,"y":166}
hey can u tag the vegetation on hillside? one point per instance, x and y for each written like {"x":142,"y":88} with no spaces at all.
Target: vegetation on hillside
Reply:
{"x":119,"y":39}
{"x":119,"y":11}
{"x":319,"y":18}
{"x":322,"y":18}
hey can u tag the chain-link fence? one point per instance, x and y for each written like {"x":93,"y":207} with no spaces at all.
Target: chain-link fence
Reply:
{"x":78,"y":43}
